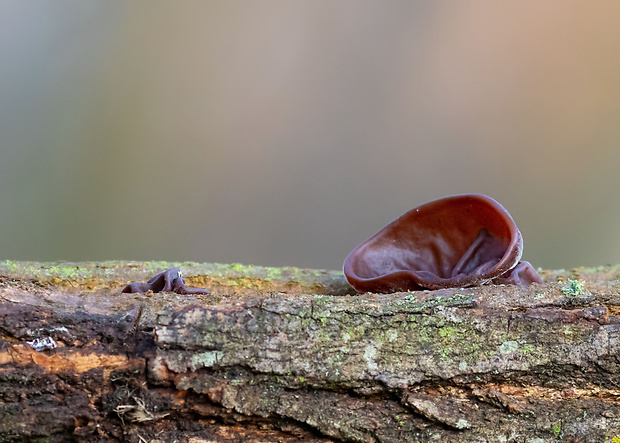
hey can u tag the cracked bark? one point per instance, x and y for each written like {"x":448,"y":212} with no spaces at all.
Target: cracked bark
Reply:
{"x":286,"y":354}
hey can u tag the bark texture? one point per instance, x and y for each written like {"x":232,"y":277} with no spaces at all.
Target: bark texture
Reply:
{"x":287,"y":355}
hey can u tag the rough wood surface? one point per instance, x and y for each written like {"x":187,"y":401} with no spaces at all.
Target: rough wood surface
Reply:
{"x":286,"y":355}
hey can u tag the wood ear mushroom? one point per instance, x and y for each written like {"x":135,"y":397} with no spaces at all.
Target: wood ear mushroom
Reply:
{"x":169,"y":280}
{"x":459,"y":241}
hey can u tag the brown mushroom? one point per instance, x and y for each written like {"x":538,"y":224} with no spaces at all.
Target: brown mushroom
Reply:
{"x":169,"y":280}
{"x":459,"y":241}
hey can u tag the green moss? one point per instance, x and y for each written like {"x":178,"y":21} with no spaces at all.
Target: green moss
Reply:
{"x":557,"y":429}
{"x":452,"y":343}
{"x":575,"y":287}
{"x":212,"y":274}
{"x":10,"y":265}
{"x":449,"y":331}
{"x":237,"y":267}
{"x":527,"y":349}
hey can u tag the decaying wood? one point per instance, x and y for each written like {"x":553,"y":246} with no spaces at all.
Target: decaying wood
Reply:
{"x":288,"y":355}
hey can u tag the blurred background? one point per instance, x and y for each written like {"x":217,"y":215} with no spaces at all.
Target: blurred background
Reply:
{"x":285,"y":133}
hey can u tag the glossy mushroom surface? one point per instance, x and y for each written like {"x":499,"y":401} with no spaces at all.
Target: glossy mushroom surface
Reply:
{"x":459,"y":241}
{"x":169,"y":280}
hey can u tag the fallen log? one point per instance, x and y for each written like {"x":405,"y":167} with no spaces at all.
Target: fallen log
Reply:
{"x":284,"y":354}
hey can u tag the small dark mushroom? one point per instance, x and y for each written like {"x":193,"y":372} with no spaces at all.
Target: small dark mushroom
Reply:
{"x":522,"y":274}
{"x":168,"y":281}
{"x":454,"y":242}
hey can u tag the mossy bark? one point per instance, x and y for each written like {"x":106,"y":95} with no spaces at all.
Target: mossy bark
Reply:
{"x":278,"y":354}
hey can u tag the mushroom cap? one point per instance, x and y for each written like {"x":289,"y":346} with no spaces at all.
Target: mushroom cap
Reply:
{"x":458,"y":241}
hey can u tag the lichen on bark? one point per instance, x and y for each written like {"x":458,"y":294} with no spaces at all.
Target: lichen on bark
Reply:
{"x":287,"y":354}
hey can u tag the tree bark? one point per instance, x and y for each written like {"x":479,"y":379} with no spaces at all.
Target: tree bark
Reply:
{"x":284,"y":354}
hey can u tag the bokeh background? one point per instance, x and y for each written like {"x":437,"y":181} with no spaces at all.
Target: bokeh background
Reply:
{"x":284,"y":133}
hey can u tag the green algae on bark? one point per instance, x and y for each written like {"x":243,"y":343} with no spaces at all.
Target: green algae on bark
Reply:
{"x":240,"y":278}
